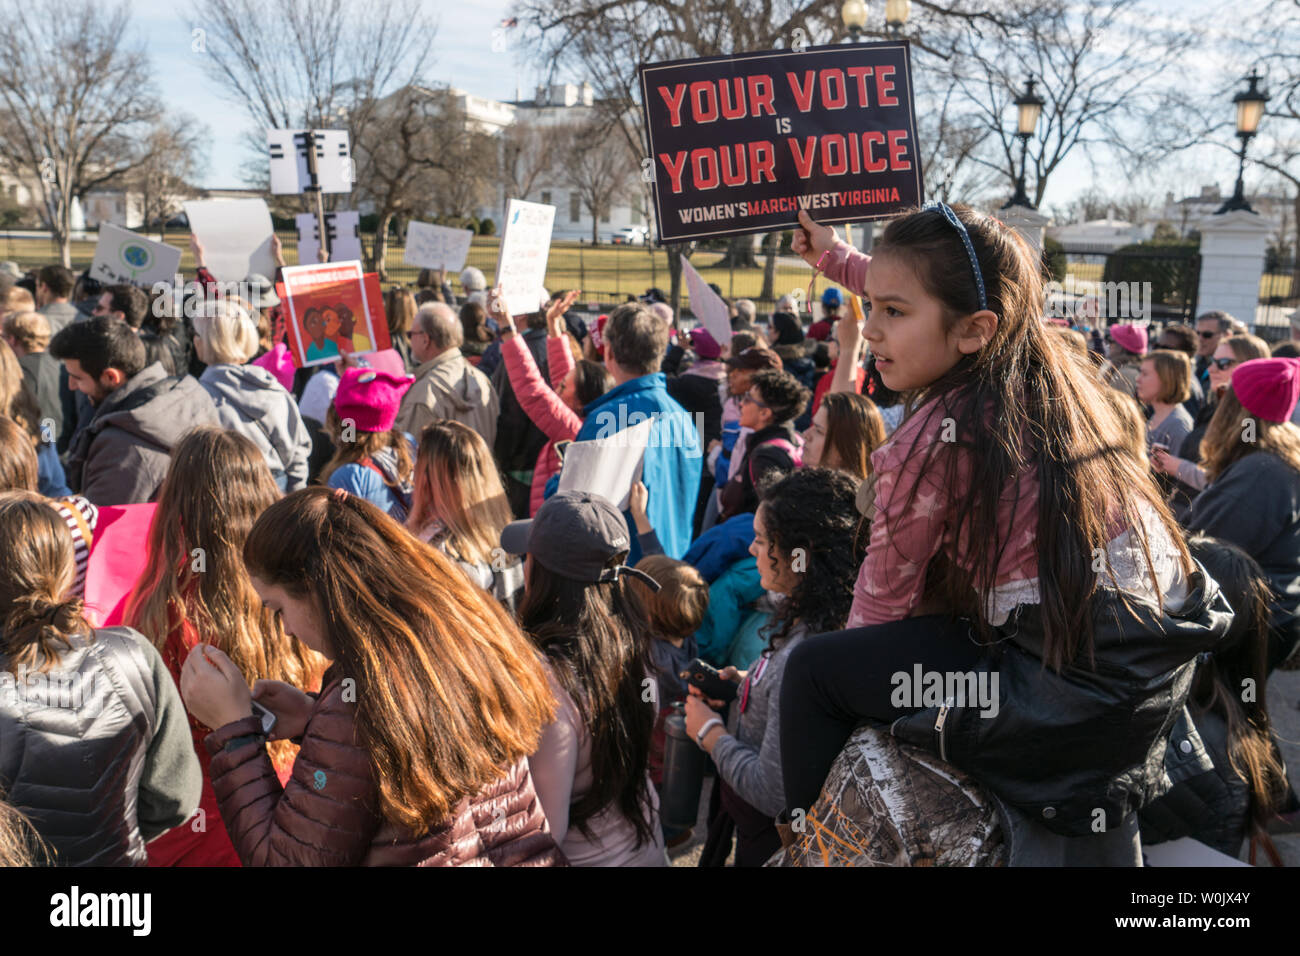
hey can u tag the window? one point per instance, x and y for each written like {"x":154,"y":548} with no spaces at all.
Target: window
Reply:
{"x":604,"y":213}
{"x":575,"y":207}
{"x":546,"y":197}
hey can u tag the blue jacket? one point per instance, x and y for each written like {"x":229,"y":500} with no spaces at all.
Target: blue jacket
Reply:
{"x":721,"y":546}
{"x":673,"y":460}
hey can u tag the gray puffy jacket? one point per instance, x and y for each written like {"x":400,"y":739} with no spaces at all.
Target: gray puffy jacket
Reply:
{"x":98,"y":752}
{"x":250,"y":401}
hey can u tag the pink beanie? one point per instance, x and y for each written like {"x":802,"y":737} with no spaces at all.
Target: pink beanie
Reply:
{"x":387,"y":360}
{"x":705,"y":345}
{"x":1131,"y":337}
{"x":279,"y":362}
{"x":370,"y":398}
{"x":1268,"y":388}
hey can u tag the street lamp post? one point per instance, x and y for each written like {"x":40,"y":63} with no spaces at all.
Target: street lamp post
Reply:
{"x":896,"y":14}
{"x":1250,"y":110}
{"x":854,"y":15}
{"x":1029,"y":106}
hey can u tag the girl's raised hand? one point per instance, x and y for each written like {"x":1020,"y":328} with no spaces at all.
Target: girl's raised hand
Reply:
{"x":812,"y":240}
{"x":555,"y":312}
{"x":499,"y":310}
{"x":637,"y":500}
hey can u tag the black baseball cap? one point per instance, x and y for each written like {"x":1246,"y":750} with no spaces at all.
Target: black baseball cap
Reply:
{"x":577,"y":535}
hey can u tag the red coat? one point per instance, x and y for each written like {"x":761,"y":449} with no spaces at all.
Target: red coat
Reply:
{"x":824,"y":385}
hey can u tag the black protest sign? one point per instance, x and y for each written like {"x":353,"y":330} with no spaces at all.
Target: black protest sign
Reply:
{"x":740,"y":143}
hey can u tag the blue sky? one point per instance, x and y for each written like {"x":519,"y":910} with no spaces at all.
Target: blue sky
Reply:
{"x":462,"y":55}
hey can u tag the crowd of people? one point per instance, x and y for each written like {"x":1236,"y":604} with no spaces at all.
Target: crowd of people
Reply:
{"x":360,"y":623}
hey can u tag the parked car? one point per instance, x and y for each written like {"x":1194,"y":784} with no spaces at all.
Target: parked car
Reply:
{"x":631,"y":235}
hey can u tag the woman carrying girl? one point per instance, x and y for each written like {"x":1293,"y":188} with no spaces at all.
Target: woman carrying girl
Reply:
{"x":1008,"y":507}
{"x":460,"y":508}
{"x":195,"y":594}
{"x":414,"y":752}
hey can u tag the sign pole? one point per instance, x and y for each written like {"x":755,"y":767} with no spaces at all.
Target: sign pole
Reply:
{"x":315,"y":188}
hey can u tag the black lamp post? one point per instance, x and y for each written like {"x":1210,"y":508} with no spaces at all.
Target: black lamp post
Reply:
{"x":1250,"y":110}
{"x":1029,"y":106}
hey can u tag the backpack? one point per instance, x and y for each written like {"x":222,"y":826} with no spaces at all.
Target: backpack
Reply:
{"x":795,"y":453}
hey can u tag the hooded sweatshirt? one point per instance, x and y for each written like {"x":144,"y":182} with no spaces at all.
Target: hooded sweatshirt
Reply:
{"x":447,"y":386}
{"x":250,"y":401}
{"x":121,"y":456}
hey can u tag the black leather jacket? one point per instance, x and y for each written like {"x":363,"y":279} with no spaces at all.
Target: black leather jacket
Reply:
{"x":1080,"y":751}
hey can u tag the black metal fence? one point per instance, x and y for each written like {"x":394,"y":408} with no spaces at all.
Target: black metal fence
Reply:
{"x":1158,"y":285}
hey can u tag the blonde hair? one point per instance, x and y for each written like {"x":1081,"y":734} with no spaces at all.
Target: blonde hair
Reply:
{"x":227,"y":334}
{"x":457,"y":485}
{"x":31,"y":330}
{"x":677,"y":609}
{"x":1133,"y":426}
{"x":18,"y":300}
{"x":1246,"y":347}
{"x":1174,"y":369}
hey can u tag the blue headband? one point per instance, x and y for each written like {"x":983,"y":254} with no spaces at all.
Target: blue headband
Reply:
{"x":948,"y":214}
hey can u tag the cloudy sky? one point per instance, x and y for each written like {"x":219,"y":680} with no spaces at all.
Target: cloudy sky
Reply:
{"x":463,"y":55}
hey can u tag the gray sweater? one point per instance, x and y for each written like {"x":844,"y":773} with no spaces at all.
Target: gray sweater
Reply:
{"x":748,"y":757}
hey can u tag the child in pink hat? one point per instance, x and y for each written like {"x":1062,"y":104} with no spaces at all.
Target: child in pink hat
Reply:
{"x":1128,"y":343}
{"x":371,"y":459}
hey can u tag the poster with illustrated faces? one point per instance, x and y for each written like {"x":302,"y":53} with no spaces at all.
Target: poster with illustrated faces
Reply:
{"x":330,"y":313}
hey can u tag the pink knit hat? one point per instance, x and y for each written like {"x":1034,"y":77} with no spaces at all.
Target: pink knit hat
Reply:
{"x":279,"y":362}
{"x":1268,"y":388}
{"x":1131,"y":337}
{"x":386,"y":360}
{"x":370,"y":398}
{"x":705,"y":345}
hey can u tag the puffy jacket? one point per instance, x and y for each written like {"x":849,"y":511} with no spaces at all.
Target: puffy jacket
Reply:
{"x":105,"y":762}
{"x":121,"y":456}
{"x":1207,"y":801}
{"x":542,"y":403}
{"x":1062,"y":746}
{"x":328,"y":813}
{"x":250,"y":401}
{"x":449,"y":387}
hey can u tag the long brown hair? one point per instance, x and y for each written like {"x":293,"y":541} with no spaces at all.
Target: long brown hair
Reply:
{"x":36,"y":618}
{"x":399,"y":308}
{"x":16,"y":399}
{"x":854,"y":429}
{"x":1240,"y":657}
{"x":216,"y":486}
{"x":19,"y":468}
{"x":449,"y":692}
{"x":457,"y":485}
{"x":1225,"y":440}
{"x":1048,"y":416}
{"x":20,"y":843}
{"x":364,"y":445}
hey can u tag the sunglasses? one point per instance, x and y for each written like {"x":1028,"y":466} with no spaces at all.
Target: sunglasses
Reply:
{"x":753,"y":401}
{"x":1223,"y":363}
{"x":1207,"y":335}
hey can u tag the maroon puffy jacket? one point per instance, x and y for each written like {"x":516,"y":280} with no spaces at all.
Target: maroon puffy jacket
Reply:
{"x":328,"y":814}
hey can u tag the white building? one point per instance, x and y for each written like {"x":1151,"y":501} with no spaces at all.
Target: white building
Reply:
{"x":1183,"y":214}
{"x":1100,"y":235}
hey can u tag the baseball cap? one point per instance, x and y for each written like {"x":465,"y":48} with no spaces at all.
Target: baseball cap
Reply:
{"x":577,"y":535}
{"x":832,"y":297}
{"x":756,"y":359}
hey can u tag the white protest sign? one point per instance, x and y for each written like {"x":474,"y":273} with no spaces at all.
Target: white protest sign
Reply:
{"x":343,"y":229}
{"x":289,"y":171}
{"x":525,"y":246}
{"x":707,"y":305}
{"x":436,"y":247}
{"x":607,"y":466}
{"x":236,"y":236}
{"x":122,"y":256}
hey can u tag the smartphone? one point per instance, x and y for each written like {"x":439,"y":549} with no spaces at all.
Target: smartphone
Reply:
{"x":267,"y":718}
{"x":709,"y":680}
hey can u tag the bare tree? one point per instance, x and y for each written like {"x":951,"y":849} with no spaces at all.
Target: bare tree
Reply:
{"x":313,"y":64}
{"x":597,"y":165}
{"x":529,"y":153}
{"x":1103,"y":71}
{"x":173,"y":160}
{"x":75,"y":100}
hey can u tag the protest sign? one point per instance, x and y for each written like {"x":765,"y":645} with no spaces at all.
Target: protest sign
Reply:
{"x":740,"y":144}
{"x":707,"y":305}
{"x":607,"y":466}
{"x":122,"y":256}
{"x":117,"y":559}
{"x":329,"y":312}
{"x":525,"y":246}
{"x":436,"y":247}
{"x":236,"y":236}
{"x":290,"y":172}
{"x":343,"y":230}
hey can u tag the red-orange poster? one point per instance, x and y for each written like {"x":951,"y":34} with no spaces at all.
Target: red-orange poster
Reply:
{"x":330,"y":313}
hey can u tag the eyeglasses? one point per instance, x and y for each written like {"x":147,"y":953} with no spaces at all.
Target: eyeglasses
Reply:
{"x":1223,"y":363}
{"x":753,"y":401}
{"x":1207,"y":335}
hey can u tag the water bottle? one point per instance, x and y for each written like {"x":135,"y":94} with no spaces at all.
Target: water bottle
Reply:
{"x":684,"y":761}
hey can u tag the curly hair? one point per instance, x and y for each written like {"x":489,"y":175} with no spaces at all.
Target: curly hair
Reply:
{"x":782,"y":393}
{"x":811,"y":521}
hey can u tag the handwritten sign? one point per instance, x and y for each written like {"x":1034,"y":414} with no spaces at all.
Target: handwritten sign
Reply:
{"x":525,"y":247}
{"x":436,"y":247}
{"x":122,"y":256}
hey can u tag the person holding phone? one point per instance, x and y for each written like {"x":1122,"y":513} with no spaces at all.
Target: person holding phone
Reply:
{"x":415,"y":750}
{"x":804,"y":546}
